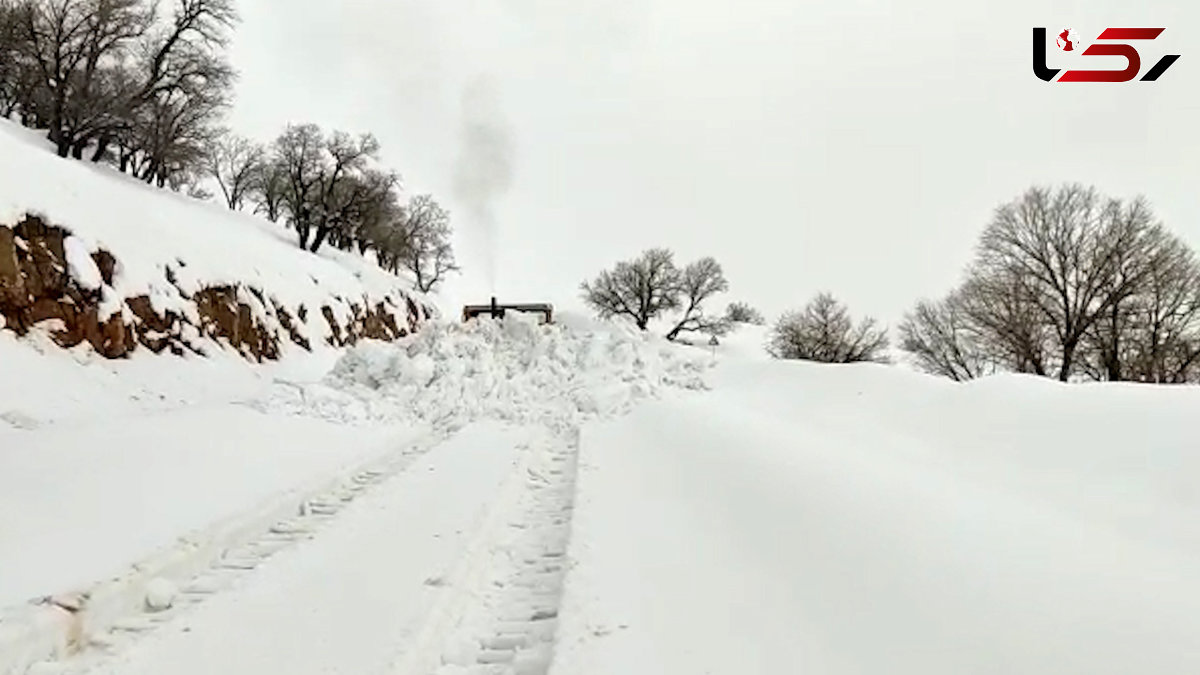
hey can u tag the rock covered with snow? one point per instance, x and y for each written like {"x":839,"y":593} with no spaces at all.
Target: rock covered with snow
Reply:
{"x":160,"y":595}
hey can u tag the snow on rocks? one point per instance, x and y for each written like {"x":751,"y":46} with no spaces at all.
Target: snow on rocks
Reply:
{"x":150,"y":257}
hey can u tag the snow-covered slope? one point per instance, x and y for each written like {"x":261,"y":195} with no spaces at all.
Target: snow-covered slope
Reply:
{"x":863,"y":519}
{"x":150,"y":229}
{"x":173,"y":271}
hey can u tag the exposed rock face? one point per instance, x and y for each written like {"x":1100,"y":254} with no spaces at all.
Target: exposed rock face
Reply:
{"x":37,"y":289}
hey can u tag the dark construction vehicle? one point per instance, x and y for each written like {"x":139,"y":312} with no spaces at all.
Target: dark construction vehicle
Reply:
{"x":544,"y":310}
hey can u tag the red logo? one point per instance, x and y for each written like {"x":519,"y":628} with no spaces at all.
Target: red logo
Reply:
{"x":1067,"y":42}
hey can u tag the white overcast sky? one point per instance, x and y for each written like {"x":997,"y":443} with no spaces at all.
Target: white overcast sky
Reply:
{"x":854,"y":146}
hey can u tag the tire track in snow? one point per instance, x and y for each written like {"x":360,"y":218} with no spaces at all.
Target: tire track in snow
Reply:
{"x":505,"y":618}
{"x":113,"y":632}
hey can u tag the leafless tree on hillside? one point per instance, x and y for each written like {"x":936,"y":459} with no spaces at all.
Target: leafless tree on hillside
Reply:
{"x":13,"y":68}
{"x":268,"y":189}
{"x":823,"y":331}
{"x":944,"y":340}
{"x":641,"y":289}
{"x":1152,"y":335}
{"x":742,"y":312}
{"x":298,"y":157}
{"x":427,"y":252}
{"x":235,"y":163}
{"x":359,"y":201}
{"x":1068,"y":250}
{"x":340,"y":187}
{"x":697,"y":283}
{"x":73,"y":47}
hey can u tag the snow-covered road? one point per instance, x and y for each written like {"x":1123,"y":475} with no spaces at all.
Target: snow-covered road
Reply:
{"x":354,"y":599}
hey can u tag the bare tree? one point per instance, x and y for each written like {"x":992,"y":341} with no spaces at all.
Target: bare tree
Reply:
{"x":339,"y":189}
{"x":823,"y":331}
{"x":945,"y":341}
{"x":359,"y":202}
{"x":269,"y":188}
{"x":172,"y":96}
{"x":322,"y":180}
{"x":1003,"y":313}
{"x":1070,"y":250}
{"x":697,"y":283}
{"x":742,"y":312}
{"x":197,"y":27}
{"x":426,"y":249}
{"x":641,"y":289}
{"x":75,"y":47}
{"x":1152,"y":335}
{"x":13,"y":64}
{"x":173,"y":132}
{"x":1069,"y":284}
{"x":236,"y":163}
{"x":299,"y":158}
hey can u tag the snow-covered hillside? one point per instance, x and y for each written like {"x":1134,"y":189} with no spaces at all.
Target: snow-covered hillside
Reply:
{"x":166,"y":270}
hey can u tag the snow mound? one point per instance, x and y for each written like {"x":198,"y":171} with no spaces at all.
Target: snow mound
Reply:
{"x":511,"y":370}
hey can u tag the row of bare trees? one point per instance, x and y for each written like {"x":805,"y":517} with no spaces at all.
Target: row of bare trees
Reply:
{"x":139,"y":83}
{"x":330,"y":189}
{"x":145,"y":85}
{"x":652,"y":287}
{"x":1068,"y":283}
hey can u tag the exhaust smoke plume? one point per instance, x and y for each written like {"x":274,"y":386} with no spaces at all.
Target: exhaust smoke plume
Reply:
{"x":484,"y":167}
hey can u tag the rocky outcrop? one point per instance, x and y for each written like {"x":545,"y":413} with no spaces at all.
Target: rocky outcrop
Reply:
{"x":38,"y":291}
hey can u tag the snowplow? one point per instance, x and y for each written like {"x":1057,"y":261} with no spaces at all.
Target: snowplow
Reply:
{"x":544,"y":311}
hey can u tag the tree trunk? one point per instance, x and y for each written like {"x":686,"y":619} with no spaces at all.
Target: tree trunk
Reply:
{"x":322,"y":233}
{"x":1068,"y":363}
{"x":101,"y":148}
{"x":62,"y":146}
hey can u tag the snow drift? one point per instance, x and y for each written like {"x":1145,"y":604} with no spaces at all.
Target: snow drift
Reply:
{"x":510,"y":370}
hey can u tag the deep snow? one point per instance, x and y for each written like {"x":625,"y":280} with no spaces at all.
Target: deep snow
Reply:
{"x":862,"y":519}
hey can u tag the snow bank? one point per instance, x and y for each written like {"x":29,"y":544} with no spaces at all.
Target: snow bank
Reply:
{"x":511,"y":370}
